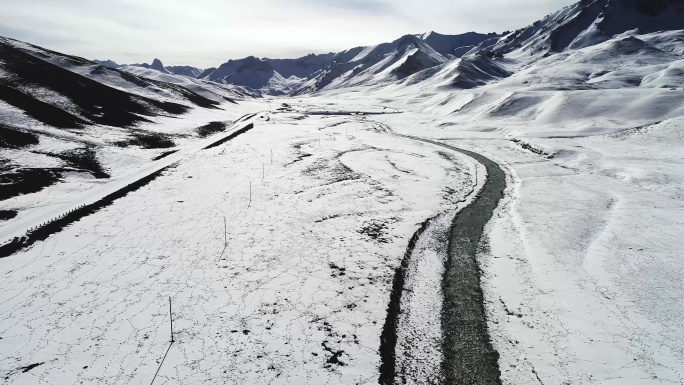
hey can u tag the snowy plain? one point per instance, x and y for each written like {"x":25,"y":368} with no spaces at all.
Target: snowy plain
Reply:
{"x":297,"y":296}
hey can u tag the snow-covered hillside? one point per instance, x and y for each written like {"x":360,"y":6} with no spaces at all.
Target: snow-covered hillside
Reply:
{"x":438,"y":209}
{"x":68,"y":124}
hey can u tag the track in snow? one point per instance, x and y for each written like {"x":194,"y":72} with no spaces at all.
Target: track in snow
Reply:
{"x":468,"y":355}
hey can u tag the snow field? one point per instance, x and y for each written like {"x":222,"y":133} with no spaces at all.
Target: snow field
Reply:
{"x":298,"y":296}
{"x":581,"y":267}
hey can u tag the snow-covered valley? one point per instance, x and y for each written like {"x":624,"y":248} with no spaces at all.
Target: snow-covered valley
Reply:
{"x":333,"y":226}
{"x":297,"y":294}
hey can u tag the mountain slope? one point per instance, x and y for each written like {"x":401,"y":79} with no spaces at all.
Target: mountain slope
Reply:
{"x":255,"y":74}
{"x":29,"y":83}
{"x":115,"y":78}
{"x":303,"y":67}
{"x":192,"y":72}
{"x":454,"y":46}
{"x":64,"y":118}
{"x":542,"y":47}
{"x":376,"y":64}
{"x":590,"y":22}
{"x":216,"y":92}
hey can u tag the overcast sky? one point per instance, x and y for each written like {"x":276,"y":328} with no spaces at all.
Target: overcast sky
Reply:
{"x":206,"y":33}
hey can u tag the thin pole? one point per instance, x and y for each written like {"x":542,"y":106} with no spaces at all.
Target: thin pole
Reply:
{"x":250,"y":194}
{"x":225,"y":232}
{"x":271,"y":157}
{"x":171,"y":319}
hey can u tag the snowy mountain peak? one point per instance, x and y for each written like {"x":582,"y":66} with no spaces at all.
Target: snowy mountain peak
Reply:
{"x":252,"y":72}
{"x":255,"y":62}
{"x":426,"y":35}
{"x":456,"y":45}
{"x":304,"y":67}
{"x":408,"y":40}
{"x":157,"y":65}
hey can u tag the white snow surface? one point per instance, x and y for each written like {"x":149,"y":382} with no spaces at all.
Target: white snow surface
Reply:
{"x":298,"y":295}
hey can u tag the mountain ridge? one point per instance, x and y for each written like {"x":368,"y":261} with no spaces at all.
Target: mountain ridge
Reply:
{"x":465,"y":60}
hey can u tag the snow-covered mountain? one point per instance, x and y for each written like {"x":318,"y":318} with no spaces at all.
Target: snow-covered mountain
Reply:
{"x":303,"y":67}
{"x":454,"y":46}
{"x":190,"y":71}
{"x":156,"y":65}
{"x":382,"y":63}
{"x":251,"y":72}
{"x":36,"y":79}
{"x":590,"y":22}
{"x":472,"y":60}
{"x":268,"y":76}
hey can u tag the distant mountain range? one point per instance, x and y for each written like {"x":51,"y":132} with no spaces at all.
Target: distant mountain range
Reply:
{"x":583,"y":24}
{"x":402,"y":57}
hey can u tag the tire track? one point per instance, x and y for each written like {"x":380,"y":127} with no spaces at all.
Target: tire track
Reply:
{"x":388,"y":338}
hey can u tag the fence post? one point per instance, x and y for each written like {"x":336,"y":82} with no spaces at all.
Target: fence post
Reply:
{"x":171,"y":319}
